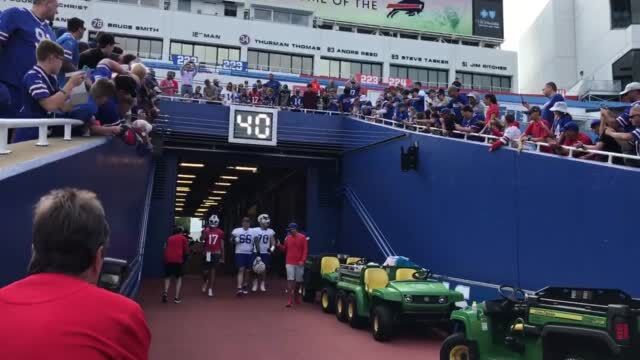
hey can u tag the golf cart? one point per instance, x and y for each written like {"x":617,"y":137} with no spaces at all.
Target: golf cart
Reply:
{"x":320,"y":275}
{"x":553,"y":324}
{"x":386,"y":297}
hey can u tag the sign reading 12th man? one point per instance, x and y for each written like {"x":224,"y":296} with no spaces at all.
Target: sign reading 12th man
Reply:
{"x":253,"y":125}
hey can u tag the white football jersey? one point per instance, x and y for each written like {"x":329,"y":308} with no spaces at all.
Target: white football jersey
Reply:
{"x":244,"y":240}
{"x":263,"y":237}
{"x":227,"y":96}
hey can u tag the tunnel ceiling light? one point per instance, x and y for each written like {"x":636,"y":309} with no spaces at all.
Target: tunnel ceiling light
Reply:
{"x":181,"y":194}
{"x":246,"y":168}
{"x":186,"y":176}
{"x":215,"y":198}
{"x":193,"y":165}
{"x":199,"y":214}
{"x":188,"y":182}
{"x":223,"y":184}
{"x":210,"y":204}
{"x":229,"y":177}
{"x":182,"y":188}
{"x":201,"y":210}
{"x":178,"y":209}
{"x":219,"y":192}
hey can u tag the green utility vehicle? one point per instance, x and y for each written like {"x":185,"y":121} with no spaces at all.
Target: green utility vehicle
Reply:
{"x":320,"y":275}
{"x":552,"y":324}
{"x":386,"y":297}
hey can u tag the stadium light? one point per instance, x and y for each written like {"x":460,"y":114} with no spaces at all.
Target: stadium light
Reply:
{"x":223,"y":184}
{"x":229,"y":177}
{"x":182,"y":188}
{"x":194,"y":165}
{"x":188,"y":182}
{"x":185,"y":176}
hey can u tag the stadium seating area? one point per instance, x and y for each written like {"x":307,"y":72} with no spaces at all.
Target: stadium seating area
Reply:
{"x":119,"y":96}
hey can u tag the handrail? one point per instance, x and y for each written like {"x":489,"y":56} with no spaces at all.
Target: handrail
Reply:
{"x":610,"y":156}
{"x":43,"y":126}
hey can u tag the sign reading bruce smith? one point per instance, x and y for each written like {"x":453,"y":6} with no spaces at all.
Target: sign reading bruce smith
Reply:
{"x":289,"y":45}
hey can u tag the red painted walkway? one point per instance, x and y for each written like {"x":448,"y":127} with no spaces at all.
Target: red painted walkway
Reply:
{"x":260,"y":327}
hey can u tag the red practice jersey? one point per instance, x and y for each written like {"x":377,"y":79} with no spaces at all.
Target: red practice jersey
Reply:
{"x":213,"y":238}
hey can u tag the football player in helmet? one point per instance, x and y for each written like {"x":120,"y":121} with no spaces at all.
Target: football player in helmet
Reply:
{"x":213,"y":239}
{"x":245,"y":247}
{"x":264,"y":239}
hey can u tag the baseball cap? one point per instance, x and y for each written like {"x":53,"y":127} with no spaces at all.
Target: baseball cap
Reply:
{"x":473,"y":95}
{"x":533,"y":109}
{"x":631,"y":87}
{"x":571,"y":126}
{"x":560,"y":106}
{"x":595,"y":123}
{"x":292,"y":226}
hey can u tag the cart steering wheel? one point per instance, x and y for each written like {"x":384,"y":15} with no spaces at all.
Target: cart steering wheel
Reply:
{"x":512,"y":294}
{"x":421,"y":274}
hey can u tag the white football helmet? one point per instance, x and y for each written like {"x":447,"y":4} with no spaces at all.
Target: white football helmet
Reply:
{"x":258,"y":266}
{"x":264,"y":220}
{"x":214,"y":221}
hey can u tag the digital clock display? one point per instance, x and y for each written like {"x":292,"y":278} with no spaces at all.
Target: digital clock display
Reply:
{"x":251,"y":125}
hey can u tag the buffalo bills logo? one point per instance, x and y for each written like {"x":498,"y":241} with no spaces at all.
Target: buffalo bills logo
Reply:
{"x":410,"y":7}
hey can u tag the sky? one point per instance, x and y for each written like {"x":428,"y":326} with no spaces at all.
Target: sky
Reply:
{"x":518,"y":17}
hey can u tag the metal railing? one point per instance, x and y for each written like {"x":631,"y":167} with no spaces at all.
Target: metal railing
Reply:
{"x":41,"y":124}
{"x":488,"y":139}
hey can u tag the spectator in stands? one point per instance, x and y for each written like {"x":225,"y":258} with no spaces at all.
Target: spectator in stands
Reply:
{"x":539,"y":130}
{"x":441,"y":101}
{"x":82,"y":47}
{"x":332,"y":87}
{"x":273,"y":84}
{"x":551,"y":92}
{"x":91,"y":58}
{"x":176,"y":250}
{"x":315,"y":86}
{"x":310,"y":98}
{"x":197,"y":94}
{"x":210,"y":91}
{"x":169,"y":86}
{"x":561,"y":118}
{"x":511,"y":134}
{"x":269,"y":97}
{"x":352,"y":88}
{"x":471,"y":122}
{"x":493,"y":110}
{"x":285,"y":94}
{"x":41,"y":95}
{"x":228,"y":95}
{"x":604,"y":142}
{"x":594,"y":134}
{"x":20,"y":30}
{"x":633,"y":137}
{"x":117,"y":54}
{"x":572,"y":136}
{"x":478,"y":106}
{"x":417,"y":100}
{"x":187,"y":73}
{"x":457,"y":83}
{"x":58,"y":305}
{"x":69,"y":42}
{"x":401,"y":113}
{"x":296,"y":100}
{"x":631,"y":94}
{"x":457,"y":101}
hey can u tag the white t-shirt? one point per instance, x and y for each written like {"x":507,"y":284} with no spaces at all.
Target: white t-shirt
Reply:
{"x":227,"y":96}
{"x":244,"y":240}
{"x":512,"y":133}
{"x":263,"y":237}
{"x":187,"y":77}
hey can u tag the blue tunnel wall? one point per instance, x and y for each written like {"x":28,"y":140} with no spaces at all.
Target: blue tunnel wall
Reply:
{"x":112,"y":170}
{"x":505,"y":218}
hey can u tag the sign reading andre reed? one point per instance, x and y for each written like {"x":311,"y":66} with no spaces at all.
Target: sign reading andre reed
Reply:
{"x":253,"y":125}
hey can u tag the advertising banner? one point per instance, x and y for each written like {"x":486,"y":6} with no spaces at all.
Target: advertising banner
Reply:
{"x":443,"y":16}
{"x":488,"y":18}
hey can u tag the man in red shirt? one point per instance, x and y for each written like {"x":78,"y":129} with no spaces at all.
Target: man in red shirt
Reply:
{"x":169,"y":86}
{"x":539,"y":130}
{"x":296,"y":248}
{"x":213,"y":239}
{"x":175,"y":251}
{"x":57,"y":312}
{"x":572,"y":137}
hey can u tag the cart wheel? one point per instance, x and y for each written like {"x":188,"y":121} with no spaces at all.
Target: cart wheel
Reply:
{"x":341,"y":306}
{"x":382,"y":322}
{"x":353,"y":318}
{"x":328,"y":299}
{"x":456,"y":347}
{"x":308,"y":295}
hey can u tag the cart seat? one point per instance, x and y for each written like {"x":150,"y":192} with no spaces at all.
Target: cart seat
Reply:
{"x":352,"y":260}
{"x":329,"y":264}
{"x":404,"y":274}
{"x":375,"y":278}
